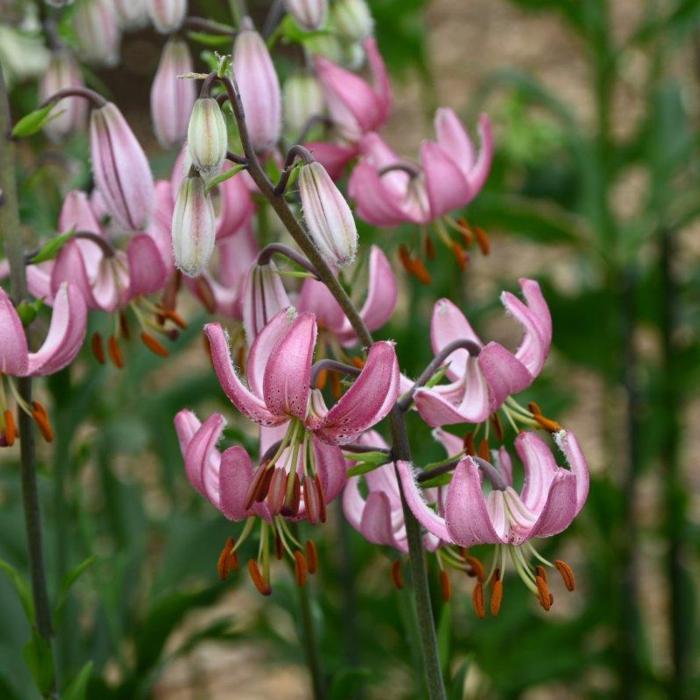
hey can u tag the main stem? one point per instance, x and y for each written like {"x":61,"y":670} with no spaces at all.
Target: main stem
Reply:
{"x":313,"y":659}
{"x":12,"y":240}
{"x":402,"y":450}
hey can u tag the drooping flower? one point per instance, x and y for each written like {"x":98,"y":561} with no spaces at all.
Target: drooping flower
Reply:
{"x":97,"y":30}
{"x":259,"y":87}
{"x":121,"y":169}
{"x":70,"y":112}
{"x":172,"y":98}
{"x":309,"y":14}
{"x":64,"y":339}
{"x":550,"y":498}
{"x":480,"y":384}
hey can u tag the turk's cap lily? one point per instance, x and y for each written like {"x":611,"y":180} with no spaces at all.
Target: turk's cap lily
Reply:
{"x":355,"y":106}
{"x":550,"y":499}
{"x":279,"y":380}
{"x":121,"y":170}
{"x":479,"y":385}
{"x":64,"y":339}
{"x":309,"y":14}
{"x":327,"y":215}
{"x":259,"y":87}
{"x":379,"y":305}
{"x":225,"y":478}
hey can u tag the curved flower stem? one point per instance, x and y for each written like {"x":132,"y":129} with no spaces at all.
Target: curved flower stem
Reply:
{"x":209,"y":26}
{"x":332,"y":366}
{"x":401,"y":449}
{"x":296,"y":151}
{"x":12,"y":241}
{"x":265,"y":255}
{"x":90,"y":95}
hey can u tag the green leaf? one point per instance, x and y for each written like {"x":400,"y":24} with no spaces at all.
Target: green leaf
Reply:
{"x":441,"y":480}
{"x":38,"y":657}
{"x":51,"y":248}
{"x":78,"y":686}
{"x":366,"y":462}
{"x":22,"y":588}
{"x":68,"y":580}
{"x":32,"y":123}
{"x":457,"y":683}
{"x":226,"y":175}
{"x":28,"y":311}
{"x":215,"y":41}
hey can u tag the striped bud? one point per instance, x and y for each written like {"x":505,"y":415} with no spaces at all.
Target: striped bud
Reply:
{"x":309,"y":14}
{"x":97,"y":30}
{"x":353,"y":19}
{"x":167,"y":15}
{"x":70,"y":113}
{"x":207,"y":137}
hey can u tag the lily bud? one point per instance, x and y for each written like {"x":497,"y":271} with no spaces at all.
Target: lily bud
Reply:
{"x":309,"y":14}
{"x":259,"y":87}
{"x":97,"y":31}
{"x":131,"y":13}
{"x":167,"y":15}
{"x":70,"y":112}
{"x":194,"y":226}
{"x":327,"y":215}
{"x":120,"y":168}
{"x":171,"y":97}
{"x":263,"y":296}
{"x":207,"y":137}
{"x":302,"y":97}
{"x":353,"y":19}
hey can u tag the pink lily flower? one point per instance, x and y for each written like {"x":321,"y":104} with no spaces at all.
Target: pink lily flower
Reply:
{"x":63,"y":341}
{"x":279,"y":374}
{"x":390,"y":192}
{"x":550,"y":498}
{"x":355,"y":106}
{"x":479,"y":385}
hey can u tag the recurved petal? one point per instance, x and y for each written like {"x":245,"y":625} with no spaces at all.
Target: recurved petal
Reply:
{"x":560,"y":507}
{"x":13,"y":341}
{"x":478,"y":174}
{"x":425,"y":515}
{"x":576,"y":460}
{"x":447,"y":325}
{"x":540,"y":468}
{"x":66,"y":333}
{"x":147,"y":271}
{"x":287,"y":380}
{"x":453,"y":138}
{"x":353,"y":503}
{"x":376,"y":520}
{"x":445,"y":183}
{"x":316,"y":299}
{"x":466,"y":513}
{"x":235,"y":476}
{"x":330,"y":463}
{"x":198,"y":445}
{"x":505,"y":374}
{"x":368,"y":400}
{"x":70,"y":266}
{"x":240,"y":396}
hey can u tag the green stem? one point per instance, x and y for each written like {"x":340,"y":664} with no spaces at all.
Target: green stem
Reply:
{"x":14,"y":251}
{"x":402,"y":451}
{"x":313,"y":658}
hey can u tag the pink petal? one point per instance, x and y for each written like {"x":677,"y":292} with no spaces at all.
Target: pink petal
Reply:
{"x":331,"y":467}
{"x":65,"y":336}
{"x":427,"y":517}
{"x":76,"y":214}
{"x":504,"y":373}
{"x":505,"y":464}
{"x":13,"y":341}
{"x":236,"y":206}
{"x":333,"y":157}
{"x":202,"y":459}
{"x":147,"y":271}
{"x":384,"y":479}
{"x":263,"y":296}
{"x":353,"y":503}
{"x":467,"y":517}
{"x":376,"y":520}
{"x":453,"y":444}
{"x":235,"y":477}
{"x":368,"y":400}
{"x":316,"y":299}
{"x":453,"y":139}
{"x":540,"y":469}
{"x":70,"y":266}
{"x":240,"y":396}
{"x":478,"y":174}
{"x":576,"y":460}
{"x":445,"y":183}
{"x":449,"y":324}
{"x":380,"y":80}
{"x":159,"y":227}
{"x":287,"y":380}
{"x":38,"y":280}
{"x":560,"y":507}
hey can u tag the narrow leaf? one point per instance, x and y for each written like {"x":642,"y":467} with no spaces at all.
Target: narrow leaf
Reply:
{"x":32,"y":123}
{"x":22,"y":588}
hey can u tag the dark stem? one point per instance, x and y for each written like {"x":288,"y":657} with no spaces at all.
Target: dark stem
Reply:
{"x":332,"y":366}
{"x":359,"y":449}
{"x":274,"y":17}
{"x":95,"y":98}
{"x":296,"y":151}
{"x":265,"y":255}
{"x":408,"y":168}
{"x":234,"y":157}
{"x":311,"y":651}
{"x":489,"y":471}
{"x":404,"y":403}
{"x":12,"y":240}
{"x":209,"y":25}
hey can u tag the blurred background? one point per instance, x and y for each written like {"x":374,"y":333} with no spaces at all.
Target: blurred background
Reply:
{"x":595,"y":193}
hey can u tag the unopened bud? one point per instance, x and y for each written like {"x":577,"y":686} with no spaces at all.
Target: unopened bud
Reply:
{"x":194,"y":226}
{"x":263,"y":297}
{"x":259,"y":88}
{"x":97,"y":30}
{"x":302,"y":98}
{"x":207,"y":138}
{"x":167,"y":15}
{"x":309,"y":14}
{"x":352,"y":19}
{"x":70,"y":112}
{"x":131,"y":13}
{"x":121,"y":170}
{"x":171,"y":97}
{"x":327,"y":215}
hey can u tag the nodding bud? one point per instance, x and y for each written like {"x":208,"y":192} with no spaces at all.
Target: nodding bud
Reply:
{"x":309,"y":14}
{"x":69,"y":113}
{"x":207,"y":137}
{"x":167,"y":15}
{"x":194,"y":226}
{"x":302,"y":98}
{"x":263,"y":297}
{"x":171,"y":97}
{"x":132,"y":14}
{"x":97,"y":30}
{"x":327,"y":215}
{"x":121,"y":170}
{"x":352,"y":19}
{"x":258,"y":86}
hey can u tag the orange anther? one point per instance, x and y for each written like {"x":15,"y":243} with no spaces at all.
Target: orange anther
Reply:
{"x":153,"y":345}
{"x":260,"y":583}
{"x":10,"y":428}
{"x":543,"y":595}
{"x":222,"y":568}
{"x":279,"y":547}
{"x":321,"y":500}
{"x":429,"y":247}
{"x":567,"y":574}
{"x":484,"y":451}
{"x":41,"y":418}
{"x":300,"y":568}
{"x":477,"y":568}
{"x":469,"y":444}
{"x":547,"y":424}
{"x":97,"y":348}
{"x":461,"y":255}
{"x":205,"y":294}
{"x":445,"y":586}
{"x":482,"y":240}
{"x":115,"y":352}
{"x":322,"y":379}
{"x":466,"y":231}
{"x":496,"y":593}
{"x":358,"y":362}
{"x":336,"y":387}
{"x":420,"y":272}
{"x":311,"y":557}
{"x":478,"y":600}
{"x":397,"y":575}
{"x":173,"y":316}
